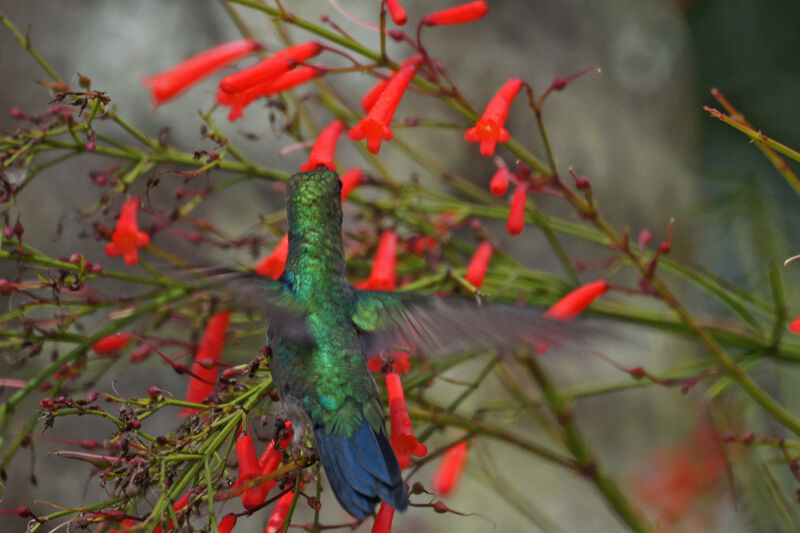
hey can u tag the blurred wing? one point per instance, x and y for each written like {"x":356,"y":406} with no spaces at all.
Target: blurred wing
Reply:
{"x":438,"y":326}
{"x":285,"y":316}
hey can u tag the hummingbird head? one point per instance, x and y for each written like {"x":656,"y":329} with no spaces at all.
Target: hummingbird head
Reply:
{"x":316,"y":189}
{"x":314,"y":204}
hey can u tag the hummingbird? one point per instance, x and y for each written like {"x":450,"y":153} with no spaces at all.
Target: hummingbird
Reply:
{"x":322,"y":329}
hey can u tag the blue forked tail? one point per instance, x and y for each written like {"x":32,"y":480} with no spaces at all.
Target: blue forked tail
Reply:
{"x":362,"y":470}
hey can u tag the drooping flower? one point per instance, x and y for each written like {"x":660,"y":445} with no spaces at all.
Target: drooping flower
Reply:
{"x":111,"y":344}
{"x":498,"y":186}
{"x":403,"y":441}
{"x":479,"y":264}
{"x":469,"y":12}
{"x":573,"y":304}
{"x":516,"y":215}
{"x":324,"y":148}
{"x":288,"y":80}
{"x":127,"y":239}
{"x":371,"y":96}
{"x":280,"y":512}
{"x":448,"y":474}
{"x":227,"y":523}
{"x":272,"y":265}
{"x":350,"y":181}
{"x":171,"y":82}
{"x":209,"y":351}
{"x":383,"y":276}
{"x":375,"y":126}
{"x":270,"y":68}
{"x":383,"y":522}
{"x":397,"y":12}
{"x":249,"y":469}
{"x":490,"y":130}
{"x":794,"y":326}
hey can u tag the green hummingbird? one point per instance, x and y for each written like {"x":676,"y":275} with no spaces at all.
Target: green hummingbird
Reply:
{"x":322,"y":329}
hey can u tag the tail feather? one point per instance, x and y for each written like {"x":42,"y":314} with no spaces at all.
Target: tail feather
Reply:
{"x":362,"y":470}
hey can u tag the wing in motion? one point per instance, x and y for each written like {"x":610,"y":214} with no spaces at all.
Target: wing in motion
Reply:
{"x":437,"y":326}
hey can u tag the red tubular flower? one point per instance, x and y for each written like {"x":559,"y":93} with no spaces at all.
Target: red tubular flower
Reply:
{"x":571,"y":305}
{"x":383,"y":276}
{"x":284,"y":82}
{"x":210,"y":349}
{"x":499,"y":183}
{"x":794,"y":326}
{"x":170,"y":83}
{"x":446,"y":478}
{"x":350,"y":181}
{"x":375,"y":126}
{"x":272,"y":265}
{"x":469,"y":12}
{"x":479,"y":264}
{"x":272,"y":457}
{"x":516,"y":215}
{"x":371,"y":96}
{"x":127,"y":239}
{"x":383,"y":522}
{"x":227,"y":523}
{"x":249,"y":469}
{"x":489,"y":130}
{"x":270,"y":68}
{"x":111,"y":344}
{"x":324,"y":147}
{"x":403,"y":441}
{"x":280,"y":512}
{"x":397,"y":12}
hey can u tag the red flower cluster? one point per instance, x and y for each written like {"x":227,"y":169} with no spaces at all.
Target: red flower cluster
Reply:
{"x":272,"y":265}
{"x":490,"y":130}
{"x":204,"y":367}
{"x":448,"y":474}
{"x":403,"y":441}
{"x":172,"y":82}
{"x":288,"y":80}
{"x":323,"y":151}
{"x":383,"y":276}
{"x":127,"y":239}
{"x":270,"y":68}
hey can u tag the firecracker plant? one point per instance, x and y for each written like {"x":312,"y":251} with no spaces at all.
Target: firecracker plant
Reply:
{"x":61,"y":336}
